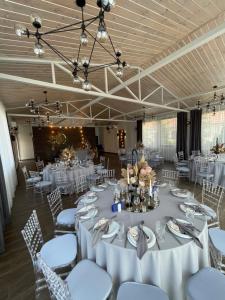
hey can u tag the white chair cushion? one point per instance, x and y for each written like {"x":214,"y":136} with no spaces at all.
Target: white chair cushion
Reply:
{"x":135,"y":291}
{"x":183,"y":169}
{"x":43,"y":184}
{"x":217,"y":236}
{"x":207,"y":284}
{"x":60,"y":251}
{"x":66,"y":216}
{"x":33,"y":179}
{"x":205,"y":174}
{"x":87,"y":281}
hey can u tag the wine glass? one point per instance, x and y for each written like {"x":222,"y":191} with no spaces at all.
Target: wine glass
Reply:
{"x":160,"y":229}
{"x":190,"y":215}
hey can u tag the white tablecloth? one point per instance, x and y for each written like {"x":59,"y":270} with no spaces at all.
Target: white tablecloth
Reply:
{"x":217,"y":168}
{"x":168,"y":268}
{"x":72,"y":173}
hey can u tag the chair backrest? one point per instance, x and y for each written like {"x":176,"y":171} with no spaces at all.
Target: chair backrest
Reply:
{"x":33,"y":236}
{"x":180,"y":155}
{"x":212,"y":196}
{"x":111,"y":173}
{"x":201,"y":164}
{"x":55,"y":203}
{"x":34,"y":174}
{"x":25,"y":172}
{"x":40,"y":165}
{"x":169,"y":175}
{"x":57,"y":286}
{"x":60,"y":177}
{"x":195,"y":152}
{"x":81,"y":184}
{"x":102,"y":159}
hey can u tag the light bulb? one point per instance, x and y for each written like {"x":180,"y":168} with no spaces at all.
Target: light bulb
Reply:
{"x":119,"y":72}
{"x":20,"y":30}
{"x":86,"y":85}
{"x":108,"y":4}
{"x":36,"y":21}
{"x":83,"y":39}
{"x":38,"y":49}
{"x":102,"y":34}
{"x":76,"y":79}
{"x":85,"y":61}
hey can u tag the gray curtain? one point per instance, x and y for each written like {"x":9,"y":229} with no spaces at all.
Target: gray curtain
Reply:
{"x":4,"y":209}
{"x":182,"y":133}
{"x":195,"y":130}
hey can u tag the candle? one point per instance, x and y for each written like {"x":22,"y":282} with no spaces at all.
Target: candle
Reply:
{"x":128,"y":178}
{"x":150,"y":188}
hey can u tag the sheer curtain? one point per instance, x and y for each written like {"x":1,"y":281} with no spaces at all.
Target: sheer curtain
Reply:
{"x":160,"y":136}
{"x":213,"y":127}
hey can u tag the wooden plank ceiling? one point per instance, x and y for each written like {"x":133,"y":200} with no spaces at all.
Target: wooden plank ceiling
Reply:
{"x":146,"y":31}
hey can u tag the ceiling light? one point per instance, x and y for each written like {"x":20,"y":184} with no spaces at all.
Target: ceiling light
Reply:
{"x":86,"y":85}
{"x":20,"y":30}
{"x":83,"y":39}
{"x":38,"y":49}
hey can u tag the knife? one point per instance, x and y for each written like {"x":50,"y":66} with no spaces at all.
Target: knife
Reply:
{"x":114,"y":238}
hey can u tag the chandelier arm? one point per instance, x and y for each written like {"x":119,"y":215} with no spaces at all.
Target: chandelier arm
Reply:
{"x":92,"y":50}
{"x":68,"y":30}
{"x":101,"y":44}
{"x":112,"y":44}
{"x":90,"y":22}
{"x":67,"y":26}
{"x":62,"y":56}
{"x":93,"y":69}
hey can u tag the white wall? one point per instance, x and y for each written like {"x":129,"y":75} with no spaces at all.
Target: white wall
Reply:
{"x":25,"y":141}
{"x":109,"y":139}
{"x":7,"y":158}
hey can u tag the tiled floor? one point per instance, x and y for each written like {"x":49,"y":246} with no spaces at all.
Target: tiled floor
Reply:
{"x":16,"y":271}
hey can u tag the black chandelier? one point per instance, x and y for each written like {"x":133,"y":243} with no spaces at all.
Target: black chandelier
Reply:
{"x":78,"y":66}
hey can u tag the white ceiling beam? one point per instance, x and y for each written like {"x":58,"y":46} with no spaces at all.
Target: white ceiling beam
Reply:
{"x":80,"y":91}
{"x":53,"y":72}
{"x":68,"y":117}
{"x":150,"y":94}
{"x":106,"y":80}
{"x":83,"y":113}
{"x":101,"y":112}
{"x":196,"y":43}
{"x":121,"y":82}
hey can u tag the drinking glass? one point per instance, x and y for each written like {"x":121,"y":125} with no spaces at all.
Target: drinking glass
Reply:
{"x":160,"y":229}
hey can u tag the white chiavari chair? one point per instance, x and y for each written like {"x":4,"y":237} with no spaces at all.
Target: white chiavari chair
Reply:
{"x":63,"y":219}
{"x":182,"y":168}
{"x":34,"y":174}
{"x":29,"y":181}
{"x":58,"y":252}
{"x":169,"y":176}
{"x":212,"y":196}
{"x":62,"y":182}
{"x":202,"y":170}
{"x":43,"y":187}
{"x":87,"y":281}
{"x":180,"y":155}
{"x":195,"y":153}
{"x":81,"y":184}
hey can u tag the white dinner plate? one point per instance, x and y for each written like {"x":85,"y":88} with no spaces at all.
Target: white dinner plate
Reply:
{"x":91,"y":212}
{"x":183,"y":207}
{"x":181,"y":193}
{"x":112,"y":182}
{"x":88,"y":199}
{"x":175,"y":229}
{"x":132,"y":236}
{"x":96,"y":189}
{"x":103,"y":185}
{"x":114,"y":227}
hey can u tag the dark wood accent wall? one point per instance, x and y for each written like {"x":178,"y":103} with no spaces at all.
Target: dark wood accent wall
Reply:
{"x":49,"y":142}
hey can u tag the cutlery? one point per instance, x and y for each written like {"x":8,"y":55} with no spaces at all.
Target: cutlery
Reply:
{"x":115,"y":236}
{"x":157,"y":242}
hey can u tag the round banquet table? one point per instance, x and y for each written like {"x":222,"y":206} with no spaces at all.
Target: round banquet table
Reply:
{"x":72,"y":173}
{"x":217,"y":168}
{"x":168,"y":268}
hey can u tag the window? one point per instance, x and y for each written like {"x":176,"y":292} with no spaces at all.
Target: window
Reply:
{"x":160,"y":136}
{"x":213,"y":127}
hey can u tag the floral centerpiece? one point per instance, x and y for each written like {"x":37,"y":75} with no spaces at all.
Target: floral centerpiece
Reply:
{"x":218,"y":148}
{"x":140,"y":175}
{"x":68,"y":154}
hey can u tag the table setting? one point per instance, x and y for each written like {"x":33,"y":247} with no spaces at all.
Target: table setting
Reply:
{"x":171,"y":239}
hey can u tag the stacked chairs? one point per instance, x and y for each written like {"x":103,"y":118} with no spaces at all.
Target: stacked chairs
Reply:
{"x":63,"y":219}
{"x":86,"y":281}
{"x":59,"y":252}
{"x":182,"y":168}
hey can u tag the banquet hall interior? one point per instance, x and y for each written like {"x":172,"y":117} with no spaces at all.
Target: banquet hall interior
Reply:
{"x":112,"y":150}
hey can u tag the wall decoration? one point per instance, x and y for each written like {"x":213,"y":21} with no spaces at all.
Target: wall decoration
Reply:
{"x":121,"y":134}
